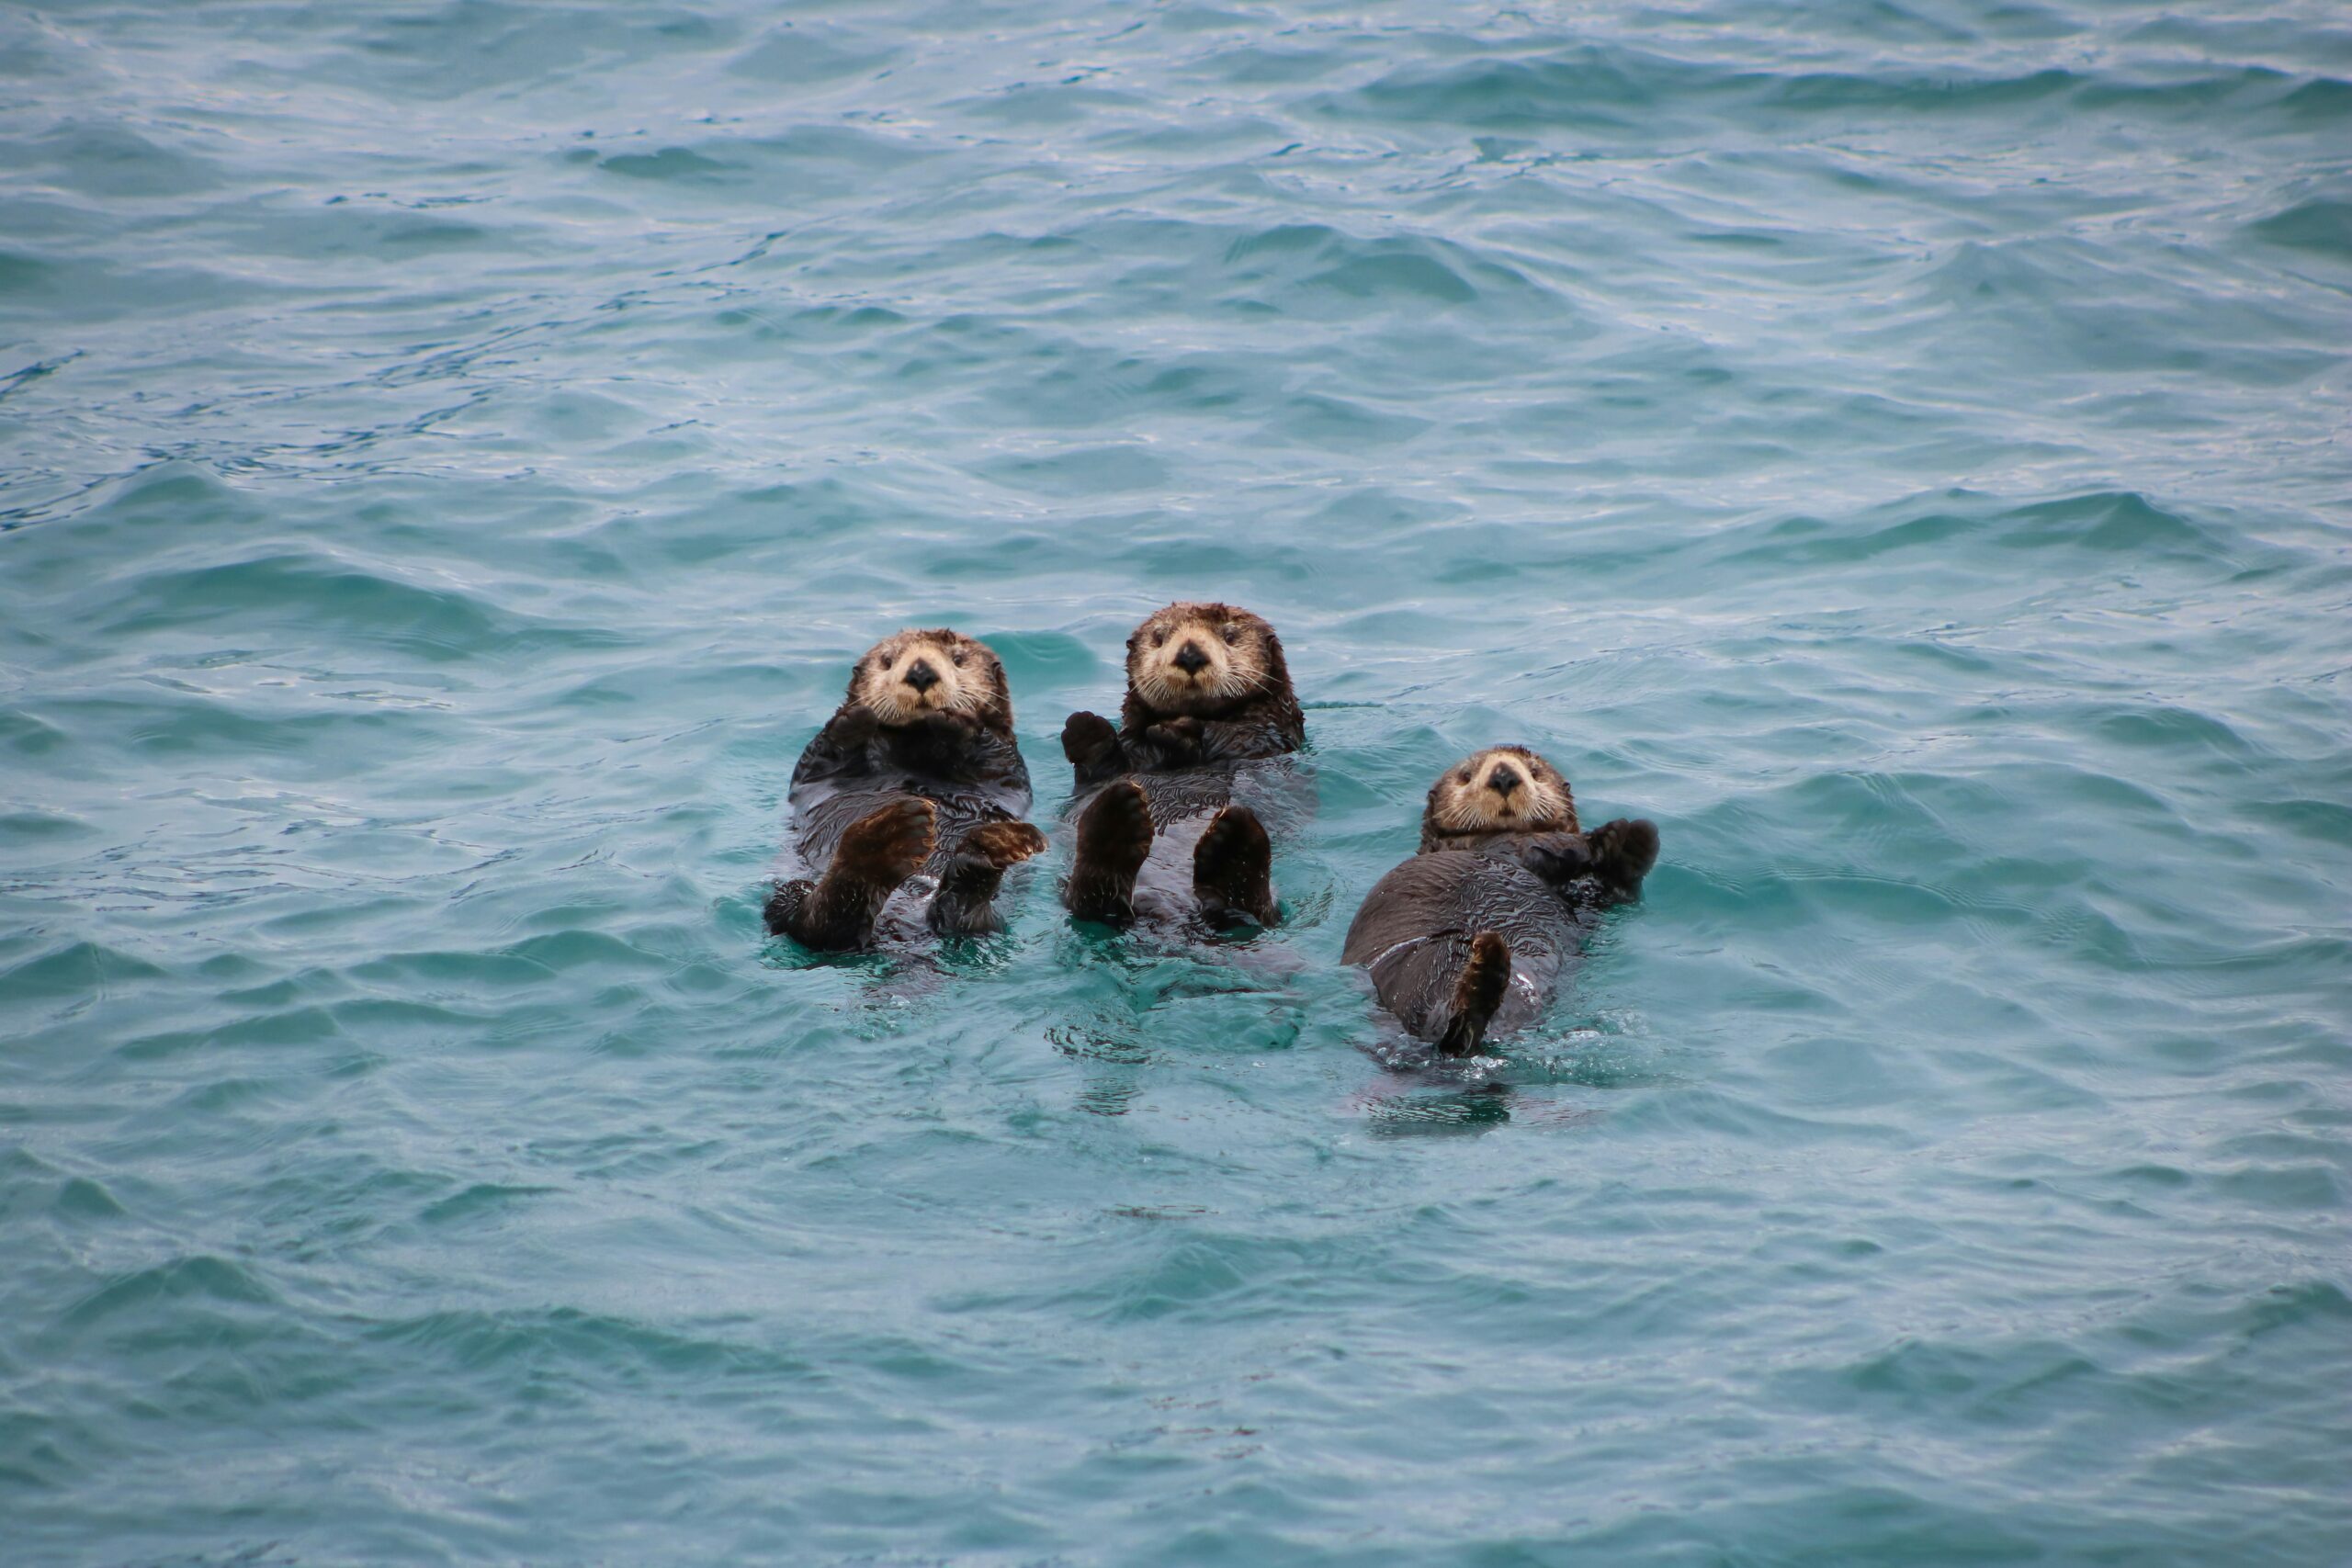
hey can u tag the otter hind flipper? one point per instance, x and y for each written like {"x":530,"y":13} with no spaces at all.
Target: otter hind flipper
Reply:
{"x":877,"y":852}
{"x":1623,"y":853}
{"x":1114,"y":836}
{"x":1477,"y":992}
{"x":1232,"y":870}
{"x":966,"y":902}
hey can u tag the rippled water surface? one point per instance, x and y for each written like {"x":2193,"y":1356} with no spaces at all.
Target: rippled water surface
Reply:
{"x":450,"y":455}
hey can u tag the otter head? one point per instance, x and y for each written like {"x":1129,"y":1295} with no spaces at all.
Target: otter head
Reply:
{"x":1503,"y":789}
{"x":902,"y":678}
{"x":1204,"y":659}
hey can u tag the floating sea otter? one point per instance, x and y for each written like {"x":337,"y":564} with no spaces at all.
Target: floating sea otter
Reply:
{"x":1160,"y":832}
{"x":1471,"y":933}
{"x":914,"y":781}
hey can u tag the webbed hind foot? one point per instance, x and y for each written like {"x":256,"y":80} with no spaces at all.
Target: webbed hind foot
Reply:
{"x":1233,"y":868}
{"x":1478,"y":991}
{"x":966,"y":902}
{"x":879,"y":851}
{"x":1114,"y":836}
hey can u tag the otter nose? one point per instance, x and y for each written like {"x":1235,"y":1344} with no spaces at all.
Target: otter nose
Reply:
{"x":922,"y":677}
{"x":1503,"y":782}
{"x":1191,"y":660}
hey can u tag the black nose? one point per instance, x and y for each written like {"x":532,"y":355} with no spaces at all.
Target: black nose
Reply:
{"x":922,"y":677}
{"x":1504,"y":780}
{"x":1191,"y":660}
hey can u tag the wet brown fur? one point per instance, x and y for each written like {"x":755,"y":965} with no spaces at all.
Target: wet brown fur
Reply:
{"x":925,"y":729}
{"x":1207,"y":684}
{"x":1505,"y":879}
{"x":1465,"y":812}
{"x":1260,"y":690}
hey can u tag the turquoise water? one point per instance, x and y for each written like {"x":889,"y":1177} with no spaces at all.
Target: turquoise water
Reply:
{"x":452,"y":452}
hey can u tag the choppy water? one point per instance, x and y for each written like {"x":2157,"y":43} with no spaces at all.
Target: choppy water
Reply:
{"x":452,"y":451}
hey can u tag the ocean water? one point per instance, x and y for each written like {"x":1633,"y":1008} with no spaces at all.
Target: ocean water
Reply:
{"x":449,"y":454}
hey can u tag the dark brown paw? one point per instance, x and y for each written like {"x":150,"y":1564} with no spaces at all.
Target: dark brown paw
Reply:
{"x":1477,"y":993}
{"x":1113,"y":838}
{"x":1232,"y":868}
{"x":945,"y":728}
{"x":1177,"y":740}
{"x":1001,"y":844}
{"x":855,"y":727}
{"x":1087,"y":737}
{"x":1557,"y":858}
{"x":886,"y":847}
{"x":1623,"y":851}
{"x":1114,"y":833}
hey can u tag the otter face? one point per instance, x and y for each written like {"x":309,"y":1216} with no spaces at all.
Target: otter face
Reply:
{"x":1202,"y":658}
{"x":904,"y":677}
{"x":1504,"y":789}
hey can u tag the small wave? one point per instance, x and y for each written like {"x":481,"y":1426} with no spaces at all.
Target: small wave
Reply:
{"x":200,"y":1277}
{"x":2322,"y":226}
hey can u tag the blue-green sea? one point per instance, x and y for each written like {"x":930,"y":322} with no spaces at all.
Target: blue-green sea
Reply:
{"x":452,"y":450}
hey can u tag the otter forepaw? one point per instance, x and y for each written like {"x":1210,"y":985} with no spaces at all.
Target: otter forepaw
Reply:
{"x":1232,"y":869}
{"x":1623,"y":853}
{"x":1177,"y":740}
{"x":854,"y":726}
{"x":1091,"y":744}
{"x":943,"y":726}
{"x":1557,"y":858}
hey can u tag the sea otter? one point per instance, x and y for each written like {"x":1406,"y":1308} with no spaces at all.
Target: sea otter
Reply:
{"x":1161,"y":830}
{"x":1470,"y":934}
{"x":917,"y":772}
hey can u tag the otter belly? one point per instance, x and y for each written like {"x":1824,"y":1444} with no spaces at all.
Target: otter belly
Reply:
{"x":1184,"y":801}
{"x":1414,"y":931}
{"x":822,"y":812}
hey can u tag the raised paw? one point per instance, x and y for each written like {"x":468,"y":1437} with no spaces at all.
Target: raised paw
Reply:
{"x":1088,"y":736}
{"x":1002,"y":845}
{"x":1232,"y":867}
{"x":1115,"y":830}
{"x":1477,"y":994}
{"x":1115,"y":837}
{"x":1557,"y":858}
{"x":889,"y":845}
{"x":1623,"y":851}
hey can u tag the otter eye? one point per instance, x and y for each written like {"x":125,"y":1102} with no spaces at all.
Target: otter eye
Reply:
{"x":1462,"y":777}
{"x":1159,"y":640}
{"x":1230,"y":633}
{"x":958,"y":659}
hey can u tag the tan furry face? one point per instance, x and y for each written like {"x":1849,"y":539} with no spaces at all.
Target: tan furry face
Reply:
{"x":1199,"y":659}
{"x":1504,"y":789}
{"x":903,"y":677}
